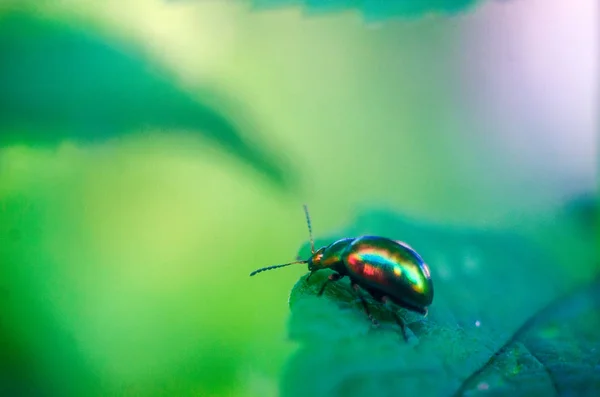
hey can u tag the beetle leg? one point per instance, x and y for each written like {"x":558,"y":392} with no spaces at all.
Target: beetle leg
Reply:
{"x":332,"y":277}
{"x":387,"y":302}
{"x":365,"y":305}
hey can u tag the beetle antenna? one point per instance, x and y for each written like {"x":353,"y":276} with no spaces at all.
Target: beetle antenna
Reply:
{"x":312,"y":242}
{"x":275,"y":267}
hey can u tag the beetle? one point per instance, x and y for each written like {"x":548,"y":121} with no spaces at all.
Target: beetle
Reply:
{"x":389,"y":270}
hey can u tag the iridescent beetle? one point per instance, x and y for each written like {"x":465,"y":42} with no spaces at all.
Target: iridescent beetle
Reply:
{"x":389,"y":270}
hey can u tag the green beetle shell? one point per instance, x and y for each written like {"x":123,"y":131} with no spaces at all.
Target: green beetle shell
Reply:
{"x":383,"y":267}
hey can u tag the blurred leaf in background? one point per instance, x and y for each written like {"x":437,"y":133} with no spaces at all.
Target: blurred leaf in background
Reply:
{"x":487,"y":285}
{"x":62,"y":83}
{"x":373,"y":10}
{"x":99,"y":295}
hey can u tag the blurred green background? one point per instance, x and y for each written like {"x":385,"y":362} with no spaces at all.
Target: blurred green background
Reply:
{"x":153,"y":153}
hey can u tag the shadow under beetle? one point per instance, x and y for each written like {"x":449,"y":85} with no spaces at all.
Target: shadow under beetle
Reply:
{"x":389,"y":270}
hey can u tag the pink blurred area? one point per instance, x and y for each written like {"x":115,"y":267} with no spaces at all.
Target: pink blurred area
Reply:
{"x":528,"y":87}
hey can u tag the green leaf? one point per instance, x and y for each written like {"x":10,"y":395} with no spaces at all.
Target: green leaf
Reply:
{"x":556,"y":352}
{"x":374,"y":9}
{"x":487,"y":286}
{"x":62,"y":82}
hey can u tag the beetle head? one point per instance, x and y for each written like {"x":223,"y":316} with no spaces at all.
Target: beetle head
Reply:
{"x":315,"y":261}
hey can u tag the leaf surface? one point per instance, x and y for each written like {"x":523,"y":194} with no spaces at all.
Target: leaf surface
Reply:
{"x":497,"y":324}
